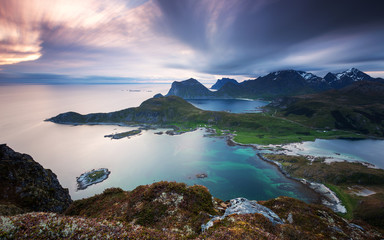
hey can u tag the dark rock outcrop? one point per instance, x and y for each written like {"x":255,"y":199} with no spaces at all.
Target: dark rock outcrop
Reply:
{"x":26,"y":185}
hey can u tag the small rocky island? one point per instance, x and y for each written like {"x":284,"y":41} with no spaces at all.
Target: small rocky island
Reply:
{"x":201,"y":175}
{"x":123,"y":134}
{"x":92,"y":177}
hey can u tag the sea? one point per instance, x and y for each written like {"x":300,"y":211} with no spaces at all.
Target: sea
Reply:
{"x":69,"y":151}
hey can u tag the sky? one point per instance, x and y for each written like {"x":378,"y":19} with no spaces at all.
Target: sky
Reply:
{"x":166,"y":40}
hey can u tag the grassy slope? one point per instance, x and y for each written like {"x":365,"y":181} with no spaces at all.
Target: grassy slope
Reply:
{"x":357,"y":108}
{"x":258,"y":128}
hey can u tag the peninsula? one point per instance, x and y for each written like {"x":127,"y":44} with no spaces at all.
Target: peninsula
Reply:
{"x":175,"y":112}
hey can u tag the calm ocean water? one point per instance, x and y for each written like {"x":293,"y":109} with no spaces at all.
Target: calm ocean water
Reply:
{"x":230,"y":105}
{"x":71,"y":150}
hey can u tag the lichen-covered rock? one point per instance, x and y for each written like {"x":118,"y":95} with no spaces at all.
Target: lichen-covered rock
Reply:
{"x":245,"y":206}
{"x":26,"y":186}
{"x":301,"y":221}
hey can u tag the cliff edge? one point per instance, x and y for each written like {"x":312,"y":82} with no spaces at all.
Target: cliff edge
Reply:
{"x":26,"y":186}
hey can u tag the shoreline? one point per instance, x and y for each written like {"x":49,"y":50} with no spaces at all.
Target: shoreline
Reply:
{"x":326,"y":196}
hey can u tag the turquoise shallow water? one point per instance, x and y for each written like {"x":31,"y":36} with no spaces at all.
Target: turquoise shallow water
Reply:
{"x":232,"y":171}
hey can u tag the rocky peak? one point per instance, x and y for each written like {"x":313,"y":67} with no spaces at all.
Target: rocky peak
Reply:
{"x":221,"y":82}
{"x":189,"y":89}
{"x":354,"y":74}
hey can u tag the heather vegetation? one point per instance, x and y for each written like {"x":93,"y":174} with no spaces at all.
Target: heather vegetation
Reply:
{"x":169,"y":210}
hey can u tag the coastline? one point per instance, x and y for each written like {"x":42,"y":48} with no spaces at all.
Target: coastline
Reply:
{"x":326,"y":196}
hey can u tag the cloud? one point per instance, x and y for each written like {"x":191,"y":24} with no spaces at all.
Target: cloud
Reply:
{"x":236,"y":36}
{"x":176,"y":38}
{"x":28,"y":26}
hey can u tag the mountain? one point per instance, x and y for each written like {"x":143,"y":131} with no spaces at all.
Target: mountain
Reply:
{"x":272,"y":85}
{"x":357,"y":107}
{"x":343,"y":79}
{"x":221,"y":82}
{"x":281,"y":83}
{"x":26,"y":186}
{"x":189,"y":89}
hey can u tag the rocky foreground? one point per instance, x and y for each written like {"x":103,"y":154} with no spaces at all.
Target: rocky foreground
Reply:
{"x":26,"y":186}
{"x":168,"y":210}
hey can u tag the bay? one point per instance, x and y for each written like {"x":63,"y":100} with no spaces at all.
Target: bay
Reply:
{"x":71,"y":150}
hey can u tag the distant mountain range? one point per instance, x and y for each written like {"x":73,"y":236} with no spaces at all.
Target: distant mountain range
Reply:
{"x":275,"y":84}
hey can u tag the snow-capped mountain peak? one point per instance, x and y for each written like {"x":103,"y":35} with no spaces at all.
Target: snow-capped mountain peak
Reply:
{"x":307,"y":76}
{"x":353,"y":73}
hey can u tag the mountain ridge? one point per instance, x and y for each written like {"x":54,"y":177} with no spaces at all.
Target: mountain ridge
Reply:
{"x":275,"y":84}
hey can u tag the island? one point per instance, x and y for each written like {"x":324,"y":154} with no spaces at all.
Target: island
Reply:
{"x":123,"y":134}
{"x":92,"y":177}
{"x":201,"y":175}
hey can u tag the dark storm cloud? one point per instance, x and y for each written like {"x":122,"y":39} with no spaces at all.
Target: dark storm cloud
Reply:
{"x":261,"y":34}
